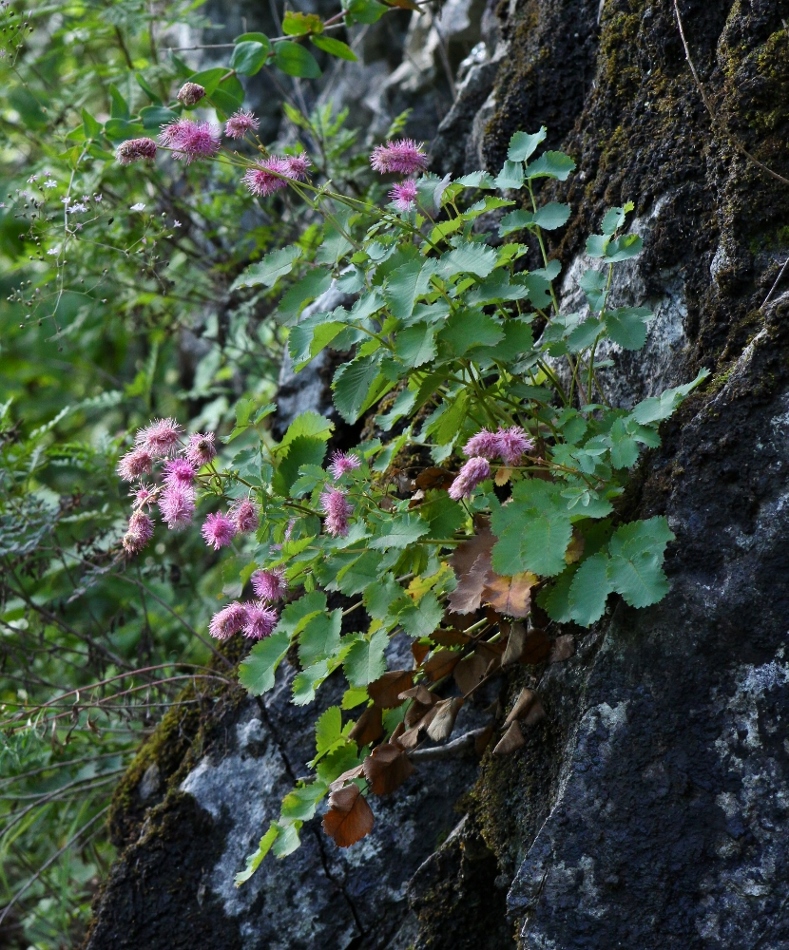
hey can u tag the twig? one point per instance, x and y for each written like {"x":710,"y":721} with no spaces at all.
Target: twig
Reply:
{"x":459,"y":746}
{"x":716,"y":121}
{"x":775,"y":284}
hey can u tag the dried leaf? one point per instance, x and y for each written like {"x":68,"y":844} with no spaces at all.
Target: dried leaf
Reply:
{"x":563,"y":648}
{"x":502,"y":475}
{"x":443,"y":722}
{"x":349,"y":818}
{"x":483,"y":739}
{"x":470,"y":672}
{"x":385,"y":691}
{"x":510,"y":741}
{"x":368,"y":728}
{"x":419,"y":651}
{"x":420,"y":693}
{"x":415,"y":713}
{"x":440,"y":664}
{"x":537,"y":646}
{"x":510,"y":595}
{"x":434,"y":478}
{"x":523,"y":703}
{"x":409,"y":738}
{"x":471,"y":563}
{"x":575,"y":548}
{"x":535,"y":714}
{"x":405,"y":5}
{"x":450,"y":638}
{"x":346,"y":776}
{"x":515,"y":643}
{"x":386,"y":768}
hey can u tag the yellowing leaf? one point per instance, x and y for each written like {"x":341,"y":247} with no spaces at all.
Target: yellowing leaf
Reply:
{"x":510,"y":596}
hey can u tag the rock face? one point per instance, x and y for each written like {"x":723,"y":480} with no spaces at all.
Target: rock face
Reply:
{"x":649,"y":809}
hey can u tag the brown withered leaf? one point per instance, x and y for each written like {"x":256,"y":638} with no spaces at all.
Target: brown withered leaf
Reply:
{"x":385,"y":691}
{"x":470,"y":672}
{"x":535,"y":714}
{"x":346,"y":776}
{"x":503,"y":475}
{"x":536,"y":647}
{"x":449,"y":638}
{"x":510,"y":595}
{"x":563,"y":648}
{"x":575,"y":548}
{"x":419,"y":651}
{"x":510,"y":741}
{"x":444,"y":716}
{"x":420,"y":693}
{"x":471,"y":563}
{"x":386,"y":768}
{"x":483,"y":739}
{"x":349,"y":818}
{"x":523,"y":703}
{"x":416,"y":713}
{"x":368,"y":728}
{"x":440,"y":664}
{"x":434,"y":477}
{"x":405,"y":4}
{"x":515,"y":643}
{"x":409,"y":738}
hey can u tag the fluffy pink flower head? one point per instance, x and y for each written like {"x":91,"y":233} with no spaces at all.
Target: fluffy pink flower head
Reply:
{"x":342,"y":462}
{"x":245,"y":516}
{"x":240,"y":123}
{"x":229,"y":620}
{"x":190,"y":140}
{"x":200,"y":449}
{"x":482,"y":445}
{"x":145,"y":496}
{"x":134,"y":464}
{"x":160,"y":438}
{"x":177,"y":506}
{"x":179,"y":472}
{"x":218,"y":531}
{"x":338,"y":509}
{"x":190,"y":93}
{"x":476,"y":470}
{"x":297,"y":166}
{"x":138,"y":533}
{"x":404,"y":195}
{"x":136,"y":150}
{"x":404,"y":156}
{"x":512,"y":444}
{"x":272,"y":174}
{"x":269,"y":585}
{"x":260,"y":621}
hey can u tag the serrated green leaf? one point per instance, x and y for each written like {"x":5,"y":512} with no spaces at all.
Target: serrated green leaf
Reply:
{"x":624,"y":448}
{"x":589,"y":590}
{"x":523,"y":145}
{"x":469,"y":257}
{"x":635,"y":570}
{"x":320,"y":637}
{"x":299,"y":24}
{"x":357,"y":575}
{"x":510,"y":176}
{"x":594,"y":284}
{"x":623,"y":248}
{"x":270,"y":269}
{"x":555,"y":599}
{"x":296,"y":614}
{"x":308,"y":681}
{"x":657,"y":408}
{"x":406,"y":284}
{"x":534,"y":530}
{"x":295,"y":60}
{"x":420,"y":620}
{"x":302,"y":802}
{"x":416,"y":345}
{"x":466,"y":330}
{"x":328,"y":730}
{"x":256,"y":673}
{"x":302,"y":451}
{"x":309,"y":423}
{"x":551,"y":165}
{"x":356,"y":386}
{"x":287,"y":841}
{"x":365,"y":661}
{"x":380,"y":595}
{"x":477,"y":179}
{"x":400,"y":532}
{"x":249,"y":57}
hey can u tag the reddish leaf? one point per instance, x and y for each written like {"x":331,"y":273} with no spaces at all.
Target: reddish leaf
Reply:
{"x":470,"y":672}
{"x":444,"y":716}
{"x":368,"y":728}
{"x":405,"y":4}
{"x":349,"y":818}
{"x":386,"y":768}
{"x":510,"y":741}
{"x":419,"y":651}
{"x":385,"y":691}
{"x":415,"y":713}
{"x":510,"y":595}
{"x":449,"y":638}
{"x":434,"y":478}
{"x":471,"y":563}
{"x":420,"y":693}
{"x":563,"y":648}
{"x":440,"y":664}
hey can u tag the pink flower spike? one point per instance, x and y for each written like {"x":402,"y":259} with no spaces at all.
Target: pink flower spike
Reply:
{"x":160,"y":438}
{"x":136,"y":150}
{"x":296,"y":166}
{"x":177,"y":506}
{"x":200,"y":449}
{"x":145,"y":496}
{"x":229,"y":620}
{"x":484,"y":444}
{"x":138,"y":533}
{"x":240,"y":123}
{"x":179,"y":472}
{"x":269,"y":585}
{"x":342,"y":462}
{"x":404,"y":195}
{"x":338,"y":509}
{"x":266,"y":177}
{"x":512,"y":445}
{"x":190,"y":140}
{"x":218,"y":531}
{"x":404,"y":156}
{"x":134,"y":464}
{"x":473,"y":472}
{"x":260,"y":621}
{"x":245,"y":516}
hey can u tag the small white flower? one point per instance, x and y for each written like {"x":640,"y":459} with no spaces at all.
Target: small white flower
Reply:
{"x":176,"y":224}
{"x":138,"y":207}
{"x":77,"y":207}
{"x":98,"y":197}
{"x":53,"y":251}
{"x":32,"y":179}
{"x":50,"y":183}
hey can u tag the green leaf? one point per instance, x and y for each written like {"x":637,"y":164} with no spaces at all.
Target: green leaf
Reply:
{"x":119,"y":108}
{"x":303,"y":451}
{"x":364,"y":11}
{"x":209,"y":79}
{"x":623,"y":248}
{"x":469,"y":257}
{"x":256,"y":673}
{"x":420,"y":620}
{"x":365,"y":661}
{"x":357,"y":575}
{"x":316,"y":282}
{"x":270,"y":269}
{"x":465,"y":330}
{"x":311,"y":336}
{"x":399,"y":533}
{"x":552,"y":215}
{"x":380,"y":596}
{"x":302,"y":802}
{"x":627,"y":326}
{"x":328,"y":730}
{"x":309,"y":423}
{"x":356,"y":386}
{"x":551,"y":165}
{"x":287,"y":841}
{"x":295,"y":60}
{"x":416,"y":345}
{"x":556,"y":598}
{"x":635,"y":569}
{"x":406,"y":284}
{"x":255,"y":859}
{"x":309,"y":680}
{"x":594,"y":284}
{"x":249,"y":57}
{"x":90,"y":125}
{"x":300,"y":24}
{"x":253,"y":38}
{"x":510,"y":176}
{"x":615,"y":218}
{"x":589,"y":590}
{"x":320,"y":637}
{"x":155,"y":116}
{"x":534,"y":530}
{"x":657,"y":408}
{"x":334,"y":47}
{"x":142,"y":82}
{"x":478,"y":179}
{"x":295,"y":616}
{"x":523,"y":145}
{"x":624,"y":448}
